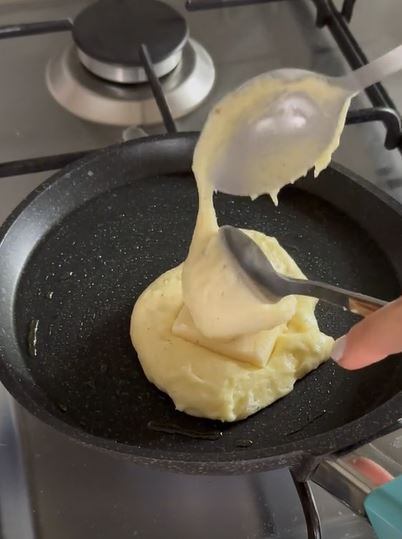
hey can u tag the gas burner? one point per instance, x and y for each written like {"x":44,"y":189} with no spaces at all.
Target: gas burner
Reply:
{"x":97,"y":100}
{"x":97,"y":77}
{"x":108,"y":35}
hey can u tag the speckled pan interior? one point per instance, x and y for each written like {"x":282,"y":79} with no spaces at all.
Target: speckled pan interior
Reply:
{"x":76,"y":255}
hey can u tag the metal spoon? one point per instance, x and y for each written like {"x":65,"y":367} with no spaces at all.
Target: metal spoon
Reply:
{"x":259,"y":272}
{"x":272,"y":129}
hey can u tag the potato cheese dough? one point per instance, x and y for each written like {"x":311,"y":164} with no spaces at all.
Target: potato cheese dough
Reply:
{"x":201,"y":333}
{"x":227,"y":380}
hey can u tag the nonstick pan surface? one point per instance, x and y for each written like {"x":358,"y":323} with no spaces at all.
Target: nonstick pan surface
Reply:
{"x":75,"y":256}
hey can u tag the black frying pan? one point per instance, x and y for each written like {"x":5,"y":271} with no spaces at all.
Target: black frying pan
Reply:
{"x":77,"y":253}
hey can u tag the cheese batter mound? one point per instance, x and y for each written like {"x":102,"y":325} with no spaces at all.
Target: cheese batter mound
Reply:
{"x":201,"y":333}
{"x":206,"y":382}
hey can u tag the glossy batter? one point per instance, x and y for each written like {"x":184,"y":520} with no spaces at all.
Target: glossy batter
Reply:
{"x":201,"y":334}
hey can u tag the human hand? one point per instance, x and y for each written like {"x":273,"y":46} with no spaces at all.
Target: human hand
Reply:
{"x":372,"y":339}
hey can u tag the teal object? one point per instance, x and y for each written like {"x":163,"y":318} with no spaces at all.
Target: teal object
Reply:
{"x":384,"y":509}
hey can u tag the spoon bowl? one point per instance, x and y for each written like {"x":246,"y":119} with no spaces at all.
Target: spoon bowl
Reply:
{"x":278,"y":125}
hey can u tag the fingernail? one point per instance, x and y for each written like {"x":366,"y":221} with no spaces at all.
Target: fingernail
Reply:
{"x":338,"y":349}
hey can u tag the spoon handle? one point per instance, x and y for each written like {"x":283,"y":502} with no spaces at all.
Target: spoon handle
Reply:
{"x":365,"y":307}
{"x":375,"y":71}
{"x":352,"y":301}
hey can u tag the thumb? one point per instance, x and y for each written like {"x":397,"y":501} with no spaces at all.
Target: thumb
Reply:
{"x":372,"y":339}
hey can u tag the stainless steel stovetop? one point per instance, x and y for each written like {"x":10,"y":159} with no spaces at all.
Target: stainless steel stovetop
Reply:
{"x":49,"y":485}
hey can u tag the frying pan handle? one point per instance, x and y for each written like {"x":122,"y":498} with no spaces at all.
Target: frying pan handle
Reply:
{"x":366,"y":477}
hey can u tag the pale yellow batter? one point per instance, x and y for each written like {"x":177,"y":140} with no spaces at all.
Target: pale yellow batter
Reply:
{"x":208,"y":383}
{"x":202,"y":335}
{"x":282,"y":112}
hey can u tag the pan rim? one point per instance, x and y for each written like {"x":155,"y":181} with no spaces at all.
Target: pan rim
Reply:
{"x":243,"y":460}
{"x":239,"y":460}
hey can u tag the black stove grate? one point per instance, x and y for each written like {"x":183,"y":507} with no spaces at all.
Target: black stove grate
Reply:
{"x":157,"y":90}
{"x":35,"y":28}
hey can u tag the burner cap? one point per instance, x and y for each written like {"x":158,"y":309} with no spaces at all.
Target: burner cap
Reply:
{"x":108,"y":35}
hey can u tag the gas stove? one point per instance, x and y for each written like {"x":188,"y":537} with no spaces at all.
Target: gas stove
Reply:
{"x":64,"y":93}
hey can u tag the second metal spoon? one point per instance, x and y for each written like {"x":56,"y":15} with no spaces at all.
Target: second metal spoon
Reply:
{"x":273,"y":286}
